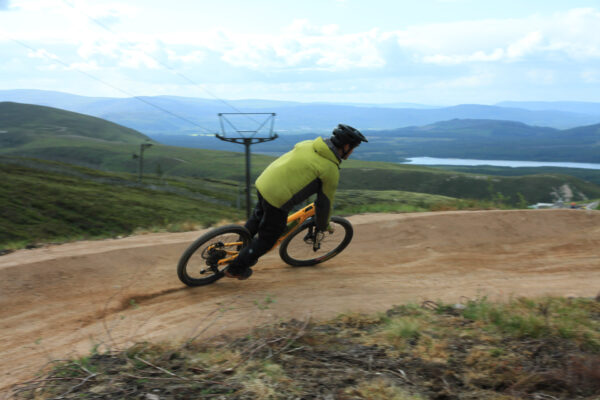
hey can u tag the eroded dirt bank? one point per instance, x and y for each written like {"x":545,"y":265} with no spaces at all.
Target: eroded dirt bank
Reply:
{"x":61,"y":301}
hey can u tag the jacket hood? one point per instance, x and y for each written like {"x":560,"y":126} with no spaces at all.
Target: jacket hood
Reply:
{"x":323,"y":150}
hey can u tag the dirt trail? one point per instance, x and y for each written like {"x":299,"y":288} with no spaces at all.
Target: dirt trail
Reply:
{"x":61,"y":301}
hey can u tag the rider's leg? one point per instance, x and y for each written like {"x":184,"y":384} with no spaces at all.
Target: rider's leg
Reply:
{"x":257,"y":214}
{"x":270,"y":228}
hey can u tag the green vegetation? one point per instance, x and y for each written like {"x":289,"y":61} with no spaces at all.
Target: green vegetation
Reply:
{"x":546,"y":348}
{"x":40,"y":205}
{"x":70,"y":176}
{"x":590,"y":175}
{"x":81,"y":146}
{"x":510,"y":191}
{"x":363,"y":201}
{"x":26,"y":123}
{"x":48,"y":201}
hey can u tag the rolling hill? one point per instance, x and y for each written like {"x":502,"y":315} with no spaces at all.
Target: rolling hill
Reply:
{"x":494,"y":140}
{"x":581,"y":107}
{"x":24,"y":123}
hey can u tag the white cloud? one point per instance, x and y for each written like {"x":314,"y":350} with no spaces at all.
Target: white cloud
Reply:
{"x":471,"y":81}
{"x":303,"y":57}
{"x":590,"y":75}
{"x":305,"y":47}
{"x":541,"y":76}
{"x":84,"y":66}
{"x":42,"y":54}
{"x":37,"y":5}
{"x":526,"y":45}
{"x":137,"y":59}
{"x":478,"y":56}
{"x":302,"y":27}
{"x":193,"y":57}
{"x":575,"y":35}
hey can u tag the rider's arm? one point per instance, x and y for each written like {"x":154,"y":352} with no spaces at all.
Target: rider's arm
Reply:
{"x":325,"y":197}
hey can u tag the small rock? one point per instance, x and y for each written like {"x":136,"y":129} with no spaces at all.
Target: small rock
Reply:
{"x":150,"y":396}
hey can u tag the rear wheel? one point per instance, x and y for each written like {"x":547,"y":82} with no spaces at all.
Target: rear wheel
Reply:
{"x":199,"y":263}
{"x":298,"y":249}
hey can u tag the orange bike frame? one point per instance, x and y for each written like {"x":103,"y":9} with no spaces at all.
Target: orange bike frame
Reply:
{"x":294,"y":221}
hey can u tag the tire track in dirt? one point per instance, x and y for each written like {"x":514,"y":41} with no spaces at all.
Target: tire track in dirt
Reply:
{"x":61,"y":301}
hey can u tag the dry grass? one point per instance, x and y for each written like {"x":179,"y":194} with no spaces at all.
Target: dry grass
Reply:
{"x":538,"y":349}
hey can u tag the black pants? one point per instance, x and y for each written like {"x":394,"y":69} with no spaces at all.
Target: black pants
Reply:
{"x":266,"y":224}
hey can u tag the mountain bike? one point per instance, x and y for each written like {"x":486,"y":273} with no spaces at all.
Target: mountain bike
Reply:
{"x":301,"y":244}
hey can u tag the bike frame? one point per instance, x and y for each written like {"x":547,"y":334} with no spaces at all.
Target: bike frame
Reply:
{"x":294,"y":222}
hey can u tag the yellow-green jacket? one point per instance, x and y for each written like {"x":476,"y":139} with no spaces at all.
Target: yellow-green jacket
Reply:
{"x":310,"y":167}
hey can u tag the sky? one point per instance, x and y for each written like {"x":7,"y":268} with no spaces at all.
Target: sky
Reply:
{"x":435,"y":52}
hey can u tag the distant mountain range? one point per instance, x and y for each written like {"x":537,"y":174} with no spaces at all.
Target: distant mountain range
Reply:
{"x":458,"y":138}
{"x":579,"y":107}
{"x":171,"y":115}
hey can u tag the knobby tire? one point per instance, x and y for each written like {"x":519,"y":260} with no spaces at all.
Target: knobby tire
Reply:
{"x":194,"y":267}
{"x":298,"y":253}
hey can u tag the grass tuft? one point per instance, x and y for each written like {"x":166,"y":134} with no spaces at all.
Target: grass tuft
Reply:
{"x":502,"y":351}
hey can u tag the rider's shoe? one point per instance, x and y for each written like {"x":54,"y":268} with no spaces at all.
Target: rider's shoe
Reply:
{"x":241,"y":275}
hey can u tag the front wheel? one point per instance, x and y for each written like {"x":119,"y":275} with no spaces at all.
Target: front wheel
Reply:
{"x":298,"y":249}
{"x":204,"y":260}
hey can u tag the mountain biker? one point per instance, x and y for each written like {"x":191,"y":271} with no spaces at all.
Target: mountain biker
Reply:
{"x":312,"y":166}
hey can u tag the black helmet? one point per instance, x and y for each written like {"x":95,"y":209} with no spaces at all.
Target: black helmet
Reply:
{"x":345,"y":134}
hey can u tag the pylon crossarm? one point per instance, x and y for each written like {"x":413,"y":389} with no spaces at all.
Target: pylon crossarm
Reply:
{"x":244,"y":140}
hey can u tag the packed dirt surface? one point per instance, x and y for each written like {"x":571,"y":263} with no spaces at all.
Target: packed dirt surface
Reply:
{"x":63,"y":301}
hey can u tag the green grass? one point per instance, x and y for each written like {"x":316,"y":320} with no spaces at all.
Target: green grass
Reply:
{"x":51,"y":201}
{"x":24,"y":123}
{"x":39,"y":205}
{"x":363,"y":201}
{"x":590,"y":175}
{"x":513,"y":190}
{"x":550,"y":317}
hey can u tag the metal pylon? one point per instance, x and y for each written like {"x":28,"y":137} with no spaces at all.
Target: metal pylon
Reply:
{"x":247,"y":137}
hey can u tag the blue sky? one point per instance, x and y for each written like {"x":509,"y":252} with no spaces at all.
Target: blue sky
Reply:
{"x":438,"y":52}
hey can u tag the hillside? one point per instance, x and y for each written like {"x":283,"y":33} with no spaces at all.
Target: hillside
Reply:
{"x":590,"y":175}
{"x":46,"y":201}
{"x":21,"y":124}
{"x":509,"y":190}
{"x":58,"y":135}
{"x":54,"y":202}
{"x":493,"y":140}
{"x":87,"y":187}
{"x":107,"y":154}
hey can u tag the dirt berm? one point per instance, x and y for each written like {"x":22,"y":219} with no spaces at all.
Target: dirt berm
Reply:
{"x":62,"y":301}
